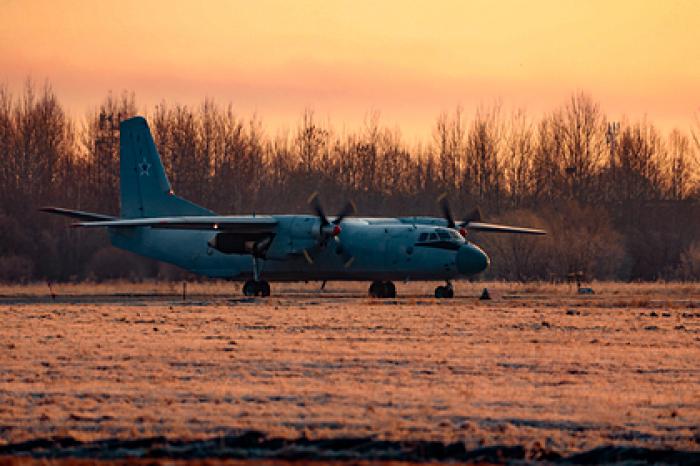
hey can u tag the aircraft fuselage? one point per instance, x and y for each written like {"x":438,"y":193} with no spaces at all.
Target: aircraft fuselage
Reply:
{"x":366,"y":249}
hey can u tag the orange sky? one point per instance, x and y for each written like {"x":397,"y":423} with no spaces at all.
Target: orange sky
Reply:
{"x":408,"y":59}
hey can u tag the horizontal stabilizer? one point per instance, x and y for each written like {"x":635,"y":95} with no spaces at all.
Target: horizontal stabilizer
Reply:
{"x":79,"y":214}
{"x":494,"y":228}
{"x":240,"y":224}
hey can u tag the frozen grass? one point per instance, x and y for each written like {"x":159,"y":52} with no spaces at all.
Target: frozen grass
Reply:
{"x":538,"y":363}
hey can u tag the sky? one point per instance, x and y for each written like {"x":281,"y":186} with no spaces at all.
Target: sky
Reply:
{"x":408,"y":60}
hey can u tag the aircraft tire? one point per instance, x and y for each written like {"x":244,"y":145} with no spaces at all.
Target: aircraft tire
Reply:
{"x":250,"y":288}
{"x":264,"y":288}
{"x":382,"y":290}
{"x":444,"y":292}
{"x":389,"y":290}
{"x":253,"y":288}
{"x":376,"y":290}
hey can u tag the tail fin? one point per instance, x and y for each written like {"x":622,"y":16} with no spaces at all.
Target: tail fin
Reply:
{"x":145,"y":189}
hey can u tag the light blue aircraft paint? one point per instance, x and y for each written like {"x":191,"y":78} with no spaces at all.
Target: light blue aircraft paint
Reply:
{"x":156,"y":223}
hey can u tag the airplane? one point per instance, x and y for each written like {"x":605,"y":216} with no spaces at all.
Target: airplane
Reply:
{"x":156,"y":223}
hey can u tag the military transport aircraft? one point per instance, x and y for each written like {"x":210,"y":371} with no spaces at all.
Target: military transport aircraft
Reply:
{"x":156,"y":223}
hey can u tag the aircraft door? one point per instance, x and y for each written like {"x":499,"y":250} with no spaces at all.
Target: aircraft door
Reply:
{"x":399,"y":247}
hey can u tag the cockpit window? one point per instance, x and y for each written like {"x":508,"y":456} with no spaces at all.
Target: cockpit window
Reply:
{"x":440,"y":236}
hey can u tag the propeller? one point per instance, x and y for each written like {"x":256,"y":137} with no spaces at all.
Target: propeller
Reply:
{"x":473,"y":216}
{"x":472,"y":221}
{"x":446,"y":211}
{"x":330,"y":229}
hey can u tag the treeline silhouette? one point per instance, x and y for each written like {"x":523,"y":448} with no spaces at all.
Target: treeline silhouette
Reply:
{"x":620,"y":200}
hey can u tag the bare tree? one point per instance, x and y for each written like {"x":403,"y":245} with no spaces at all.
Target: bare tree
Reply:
{"x":680,"y":165}
{"x":518,"y":157}
{"x":483,"y":172}
{"x":639,"y":158}
{"x":556,"y":170}
{"x":100,"y":147}
{"x":584,"y":145}
{"x":449,"y":138}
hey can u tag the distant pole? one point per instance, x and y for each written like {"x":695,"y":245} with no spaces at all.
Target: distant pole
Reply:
{"x":184,"y":291}
{"x":53,"y":295}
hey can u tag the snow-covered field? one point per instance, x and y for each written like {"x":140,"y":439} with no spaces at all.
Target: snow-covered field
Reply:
{"x":537,"y":365}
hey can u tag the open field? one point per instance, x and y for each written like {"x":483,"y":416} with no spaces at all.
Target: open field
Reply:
{"x":538,"y":366}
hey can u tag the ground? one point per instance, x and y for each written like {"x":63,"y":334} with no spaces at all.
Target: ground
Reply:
{"x":538,"y":365}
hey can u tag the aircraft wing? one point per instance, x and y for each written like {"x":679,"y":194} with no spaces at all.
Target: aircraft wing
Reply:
{"x":494,"y":228}
{"x":238,"y":224}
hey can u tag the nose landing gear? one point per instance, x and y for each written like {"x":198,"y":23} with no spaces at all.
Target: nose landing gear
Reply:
{"x":382,"y":290}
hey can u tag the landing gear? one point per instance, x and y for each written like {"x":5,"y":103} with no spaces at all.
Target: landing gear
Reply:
{"x":382,"y":290}
{"x":256,"y":288}
{"x":445,"y":292}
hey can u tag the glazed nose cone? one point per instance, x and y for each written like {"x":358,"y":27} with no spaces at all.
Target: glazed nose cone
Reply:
{"x":471,"y":259}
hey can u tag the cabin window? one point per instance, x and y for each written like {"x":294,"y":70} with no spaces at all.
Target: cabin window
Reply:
{"x":423,"y":237}
{"x":444,"y":235}
{"x":433,"y":237}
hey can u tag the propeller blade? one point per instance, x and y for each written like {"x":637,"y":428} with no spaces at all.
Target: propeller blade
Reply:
{"x":446,"y":211}
{"x":307,"y":256}
{"x":348,"y":258}
{"x":349,"y":209}
{"x":315,"y":204}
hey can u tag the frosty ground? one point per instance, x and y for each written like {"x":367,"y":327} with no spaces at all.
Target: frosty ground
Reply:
{"x":536,"y":365}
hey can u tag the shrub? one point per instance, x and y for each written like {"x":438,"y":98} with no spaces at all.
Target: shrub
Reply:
{"x":110,"y":263}
{"x":14,"y":268}
{"x":690,"y":262}
{"x":578,"y":239}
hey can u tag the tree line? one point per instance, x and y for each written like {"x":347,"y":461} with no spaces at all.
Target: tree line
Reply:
{"x":621,"y":200}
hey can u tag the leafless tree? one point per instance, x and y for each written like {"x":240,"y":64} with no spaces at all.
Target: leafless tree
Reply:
{"x":554,"y":171}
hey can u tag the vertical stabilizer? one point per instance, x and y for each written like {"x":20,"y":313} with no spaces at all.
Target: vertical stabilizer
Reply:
{"x":145,"y":189}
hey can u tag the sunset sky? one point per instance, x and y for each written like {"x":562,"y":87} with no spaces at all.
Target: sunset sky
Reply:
{"x":409,"y":60}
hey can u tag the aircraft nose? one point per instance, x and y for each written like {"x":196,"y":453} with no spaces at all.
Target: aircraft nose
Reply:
{"x":471,"y":259}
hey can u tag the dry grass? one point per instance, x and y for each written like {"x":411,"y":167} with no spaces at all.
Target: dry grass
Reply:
{"x":538,"y":363}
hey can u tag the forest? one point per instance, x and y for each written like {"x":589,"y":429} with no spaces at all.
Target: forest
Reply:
{"x":619,"y":199}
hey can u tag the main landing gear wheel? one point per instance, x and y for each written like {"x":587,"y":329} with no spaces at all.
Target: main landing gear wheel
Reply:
{"x":382,"y":290}
{"x":256,"y":288}
{"x":444,"y":292}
